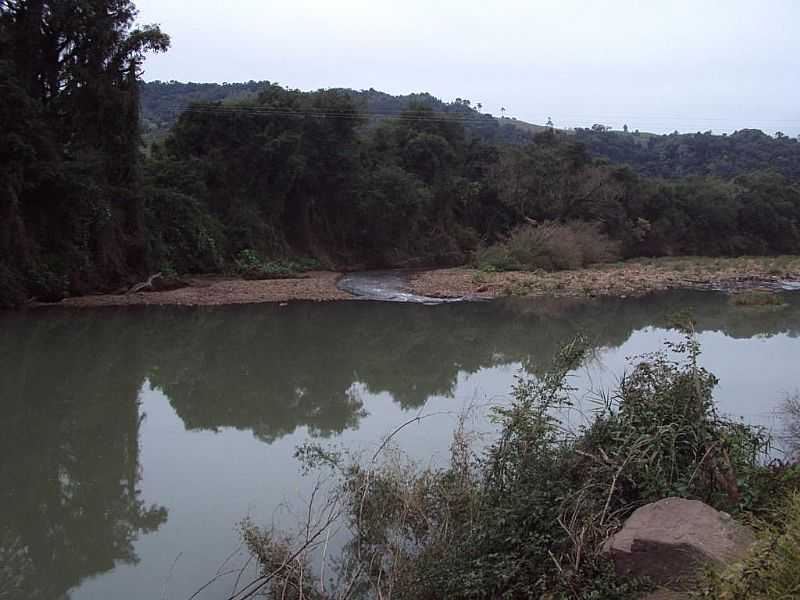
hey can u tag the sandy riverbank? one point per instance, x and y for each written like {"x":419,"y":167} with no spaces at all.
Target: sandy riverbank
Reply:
{"x":216,"y":291}
{"x":631,"y":278}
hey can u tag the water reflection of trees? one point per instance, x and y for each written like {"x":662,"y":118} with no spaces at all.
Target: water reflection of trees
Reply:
{"x":69,"y":453}
{"x":70,"y":380}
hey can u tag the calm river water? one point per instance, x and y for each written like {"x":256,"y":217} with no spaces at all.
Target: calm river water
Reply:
{"x":132,"y":441}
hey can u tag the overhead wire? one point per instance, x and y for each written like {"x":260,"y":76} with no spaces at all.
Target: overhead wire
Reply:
{"x":331,"y":113}
{"x":438,"y":116}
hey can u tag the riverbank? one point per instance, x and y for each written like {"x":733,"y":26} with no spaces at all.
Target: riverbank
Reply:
{"x":630,"y":278}
{"x":220,"y":290}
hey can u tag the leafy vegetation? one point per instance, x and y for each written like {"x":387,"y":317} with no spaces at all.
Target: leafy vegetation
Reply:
{"x":528,"y":516}
{"x":696,"y":154}
{"x":771,"y":571}
{"x":163,"y":102}
{"x":352,"y":179}
{"x":250,"y":266}
{"x":71,"y":205}
{"x":549,"y":246}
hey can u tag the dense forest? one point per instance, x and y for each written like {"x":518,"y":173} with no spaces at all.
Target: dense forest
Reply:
{"x":163,"y":102}
{"x":267,"y":175}
{"x":684,"y":155}
{"x":669,"y":156}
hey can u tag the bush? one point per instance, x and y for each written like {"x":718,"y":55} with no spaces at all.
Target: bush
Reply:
{"x":12,"y":289}
{"x":181,"y":234}
{"x":528,"y":518}
{"x":48,"y":284}
{"x":550,"y":246}
{"x":771,"y":570}
{"x":251,"y":266}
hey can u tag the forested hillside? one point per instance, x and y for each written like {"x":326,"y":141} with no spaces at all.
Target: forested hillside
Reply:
{"x":272,"y":177}
{"x":424,"y":189}
{"x":671,"y":156}
{"x":682,"y":155}
{"x":163,"y":103}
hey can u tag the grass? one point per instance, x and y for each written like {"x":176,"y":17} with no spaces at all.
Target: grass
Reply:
{"x":757,"y":299}
{"x":774,"y":265}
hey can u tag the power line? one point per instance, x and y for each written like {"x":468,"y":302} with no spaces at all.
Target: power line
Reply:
{"x":331,"y":113}
{"x":436,"y":117}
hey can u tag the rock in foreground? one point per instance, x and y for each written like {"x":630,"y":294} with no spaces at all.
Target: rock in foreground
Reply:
{"x":669,"y":540}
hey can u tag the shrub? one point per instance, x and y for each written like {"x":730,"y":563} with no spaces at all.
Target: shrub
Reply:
{"x":528,"y":517}
{"x":181,"y":234}
{"x":550,"y":246}
{"x":771,"y":569}
{"x":251,"y":266}
{"x":12,"y":289}
{"x":48,"y":284}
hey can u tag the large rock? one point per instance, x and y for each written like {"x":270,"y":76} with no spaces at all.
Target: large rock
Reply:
{"x":669,"y":540}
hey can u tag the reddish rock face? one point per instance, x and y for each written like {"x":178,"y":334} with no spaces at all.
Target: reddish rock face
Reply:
{"x":669,"y":540}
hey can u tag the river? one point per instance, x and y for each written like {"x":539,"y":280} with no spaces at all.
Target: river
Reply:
{"x":133,"y":440}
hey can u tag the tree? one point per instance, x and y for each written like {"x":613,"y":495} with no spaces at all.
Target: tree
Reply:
{"x":71,"y":71}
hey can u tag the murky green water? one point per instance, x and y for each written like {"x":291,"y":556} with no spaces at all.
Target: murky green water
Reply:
{"x":132,"y":441}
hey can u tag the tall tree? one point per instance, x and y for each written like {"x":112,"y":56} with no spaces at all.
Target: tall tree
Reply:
{"x":69,"y":116}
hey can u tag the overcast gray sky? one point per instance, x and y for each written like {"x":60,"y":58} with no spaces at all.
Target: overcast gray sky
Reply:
{"x":655,"y":65}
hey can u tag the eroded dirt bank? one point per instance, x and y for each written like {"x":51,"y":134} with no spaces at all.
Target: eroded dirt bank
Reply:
{"x":630,"y":278}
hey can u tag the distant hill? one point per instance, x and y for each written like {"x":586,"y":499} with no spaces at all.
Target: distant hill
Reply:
{"x":691,"y":154}
{"x":669,"y":156}
{"x":162,"y":102}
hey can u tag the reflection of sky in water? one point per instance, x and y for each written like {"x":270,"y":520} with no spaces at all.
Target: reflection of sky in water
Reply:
{"x":227,"y":394}
{"x":211,"y":480}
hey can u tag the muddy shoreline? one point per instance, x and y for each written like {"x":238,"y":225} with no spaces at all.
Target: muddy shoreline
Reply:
{"x":631,"y":278}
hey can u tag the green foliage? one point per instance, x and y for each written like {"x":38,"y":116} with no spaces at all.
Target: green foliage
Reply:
{"x":528,"y":516}
{"x":12,"y":289}
{"x":673,"y":440}
{"x":682,"y":155}
{"x":771,"y":569}
{"x":180,"y":234}
{"x":162,"y":102}
{"x":251,"y":266}
{"x":70,"y":209}
{"x":549,"y":246}
{"x":355,"y":178}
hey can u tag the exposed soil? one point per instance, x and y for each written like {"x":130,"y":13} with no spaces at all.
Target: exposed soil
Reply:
{"x":631,"y":278}
{"x":213,"y":291}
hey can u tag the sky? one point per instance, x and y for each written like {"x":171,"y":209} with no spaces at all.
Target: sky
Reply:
{"x":655,"y":65}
